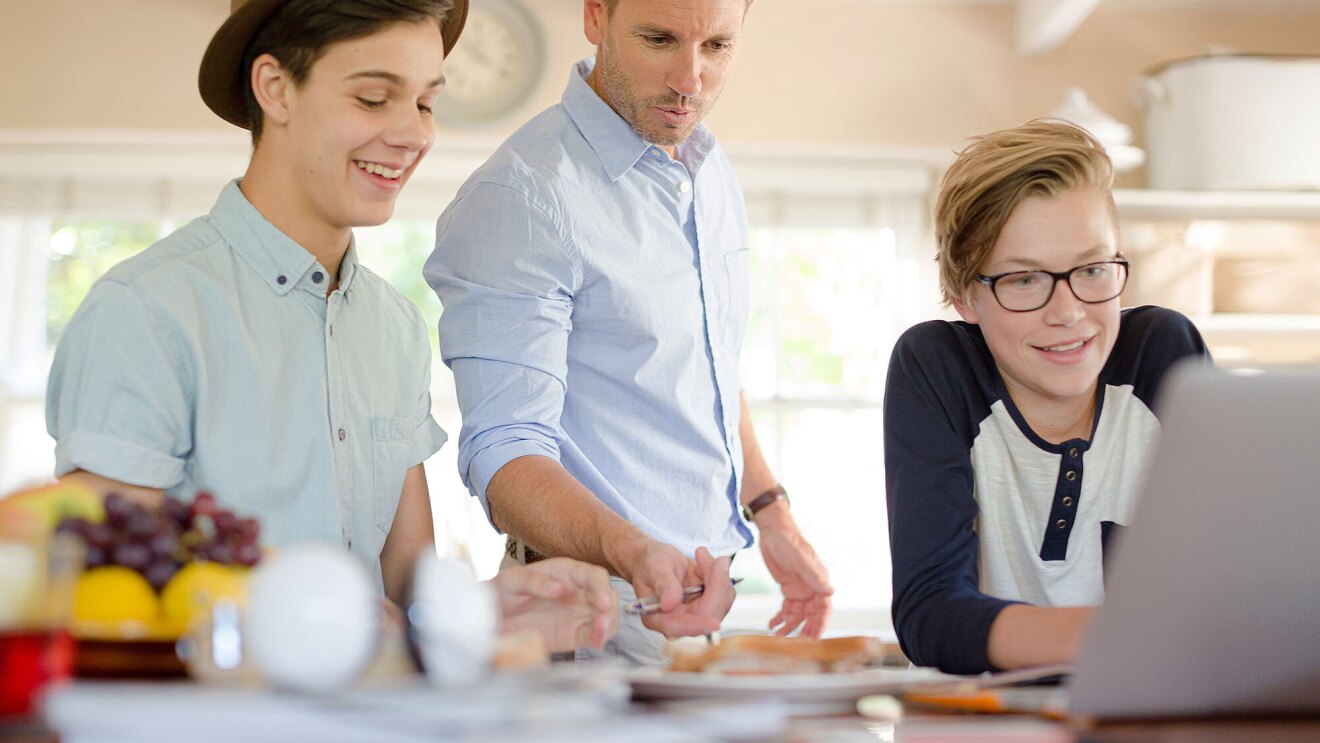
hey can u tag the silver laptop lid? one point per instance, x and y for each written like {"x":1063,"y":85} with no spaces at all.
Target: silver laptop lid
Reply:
{"x":1213,"y":594}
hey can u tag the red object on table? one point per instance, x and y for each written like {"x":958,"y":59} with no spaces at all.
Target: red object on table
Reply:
{"x":29,"y":660}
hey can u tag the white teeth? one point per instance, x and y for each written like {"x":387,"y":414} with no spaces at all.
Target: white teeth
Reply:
{"x":378,"y":169}
{"x":1069,"y":347}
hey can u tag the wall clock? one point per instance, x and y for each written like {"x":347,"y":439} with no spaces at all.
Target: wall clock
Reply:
{"x":496,"y":65}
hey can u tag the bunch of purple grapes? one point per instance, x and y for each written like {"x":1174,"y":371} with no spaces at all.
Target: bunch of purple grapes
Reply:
{"x":157,"y":542}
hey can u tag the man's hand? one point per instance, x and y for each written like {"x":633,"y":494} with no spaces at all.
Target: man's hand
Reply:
{"x":570,"y":604}
{"x":662,"y":571}
{"x":801,"y":575}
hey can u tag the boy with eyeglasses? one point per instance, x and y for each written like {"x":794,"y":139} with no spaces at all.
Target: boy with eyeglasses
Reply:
{"x":1016,"y":440}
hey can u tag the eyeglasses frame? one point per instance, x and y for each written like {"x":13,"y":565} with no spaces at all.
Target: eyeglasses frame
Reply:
{"x":1057,"y":276}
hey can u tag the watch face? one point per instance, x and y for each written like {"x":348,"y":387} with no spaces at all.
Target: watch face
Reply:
{"x":496,"y":65}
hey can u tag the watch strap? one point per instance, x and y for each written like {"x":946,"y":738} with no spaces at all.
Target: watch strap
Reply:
{"x":776,"y":493}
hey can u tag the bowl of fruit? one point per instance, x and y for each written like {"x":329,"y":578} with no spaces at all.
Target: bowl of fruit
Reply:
{"x":150,"y":574}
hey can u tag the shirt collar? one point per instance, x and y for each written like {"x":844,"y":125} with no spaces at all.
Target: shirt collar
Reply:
{"x":615,"y":142}
{"x":349,"y":265}
{"x":280,"y":262}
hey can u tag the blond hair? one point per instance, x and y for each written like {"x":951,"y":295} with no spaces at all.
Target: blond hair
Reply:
{"x":994,"y":174}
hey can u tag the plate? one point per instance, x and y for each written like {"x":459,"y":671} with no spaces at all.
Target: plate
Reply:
{"x":660,"y":684}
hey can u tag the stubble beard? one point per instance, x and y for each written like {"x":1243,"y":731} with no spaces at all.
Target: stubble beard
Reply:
{"x":619,"y":89}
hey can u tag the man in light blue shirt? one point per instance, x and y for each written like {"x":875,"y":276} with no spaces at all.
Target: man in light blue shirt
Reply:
{"x":594,"y":275}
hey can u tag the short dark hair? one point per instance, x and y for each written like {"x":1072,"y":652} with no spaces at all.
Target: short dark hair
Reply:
{"x":298,"y":33}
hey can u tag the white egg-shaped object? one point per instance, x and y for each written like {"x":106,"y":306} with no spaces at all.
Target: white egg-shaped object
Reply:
{"x":454,"y":621}
{"x":312,"y":618}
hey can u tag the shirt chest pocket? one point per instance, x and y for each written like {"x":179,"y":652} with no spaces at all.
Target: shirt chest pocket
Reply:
{"x":391,"y":444}
{"x":735,"y":301}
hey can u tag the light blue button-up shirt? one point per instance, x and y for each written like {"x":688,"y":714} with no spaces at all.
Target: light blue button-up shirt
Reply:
{"x":595,"y":296}
{"x":215,"y":360}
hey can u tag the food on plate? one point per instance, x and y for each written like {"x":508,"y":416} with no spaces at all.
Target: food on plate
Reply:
{"x":762,"y":654}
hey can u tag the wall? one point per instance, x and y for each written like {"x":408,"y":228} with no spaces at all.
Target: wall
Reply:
{"x":812,"y":72}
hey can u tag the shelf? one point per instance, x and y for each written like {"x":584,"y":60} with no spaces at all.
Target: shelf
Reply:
{"x":1150,"y":204}
{"x":1260,"y":342}
{"x":1249,"y":325}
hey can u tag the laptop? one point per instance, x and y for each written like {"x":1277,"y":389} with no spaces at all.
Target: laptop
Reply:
{"x":1213,"y":595}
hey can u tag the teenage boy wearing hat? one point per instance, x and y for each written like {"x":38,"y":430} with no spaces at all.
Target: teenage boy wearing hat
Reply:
{"x":250,"y":353}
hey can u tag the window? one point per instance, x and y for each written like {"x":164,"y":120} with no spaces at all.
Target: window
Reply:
{"x":841,"y":265}
{"x":836,"y":278}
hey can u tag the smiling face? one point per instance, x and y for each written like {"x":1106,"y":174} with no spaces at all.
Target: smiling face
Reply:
{"x":353,"y":133}
{"x":661,"y":64}
{"x":1051,"y":357}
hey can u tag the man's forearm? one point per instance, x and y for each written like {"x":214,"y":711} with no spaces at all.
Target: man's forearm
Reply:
{"x":104,"y":486}
{"x":411,"y":532}
{"x":535,"y":500}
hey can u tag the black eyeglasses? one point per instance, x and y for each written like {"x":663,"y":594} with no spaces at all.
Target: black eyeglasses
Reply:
{"x":1026,"y":291}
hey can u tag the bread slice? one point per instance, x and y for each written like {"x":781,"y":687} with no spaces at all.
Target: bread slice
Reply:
{"x":762,"y":654}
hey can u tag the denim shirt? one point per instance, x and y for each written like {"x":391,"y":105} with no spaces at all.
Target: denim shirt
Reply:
{"x":595,"y":296}
{"x":215,"y":360}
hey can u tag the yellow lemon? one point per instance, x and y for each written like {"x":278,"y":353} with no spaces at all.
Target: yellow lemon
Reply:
{"x":193,"y":589}
{"x":114,"y":593}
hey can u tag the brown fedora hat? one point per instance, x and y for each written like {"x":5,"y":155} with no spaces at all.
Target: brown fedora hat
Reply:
{"x":222,"y":78}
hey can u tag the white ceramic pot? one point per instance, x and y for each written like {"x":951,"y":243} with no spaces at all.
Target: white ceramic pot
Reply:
{"x":1233,"y":122}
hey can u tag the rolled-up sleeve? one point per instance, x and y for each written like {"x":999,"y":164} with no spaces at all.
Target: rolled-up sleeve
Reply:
{"x":506,"y":276}
{"x":118,"y":398}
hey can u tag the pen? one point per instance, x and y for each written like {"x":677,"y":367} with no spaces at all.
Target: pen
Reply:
{"x":651,"y":604}
{"x":982,"y":701}
{"x":1040,"y":701}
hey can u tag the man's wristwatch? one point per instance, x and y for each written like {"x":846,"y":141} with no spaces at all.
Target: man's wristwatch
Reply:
{"x":776,"y":493}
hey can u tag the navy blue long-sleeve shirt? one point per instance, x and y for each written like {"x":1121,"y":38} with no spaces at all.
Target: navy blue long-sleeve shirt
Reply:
{"x":982,"y":511}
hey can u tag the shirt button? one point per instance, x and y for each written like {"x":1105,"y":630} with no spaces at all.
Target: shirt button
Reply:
{"x":1073,"y":452}
{"x":317,"y":276}
{"x":684,"y":187}
{"x":1070,"y":475}
{"x":281,"y":279}
{"x":1067,"y":501}
{"x":1061,"y":523}
{"x":342,"y":434}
